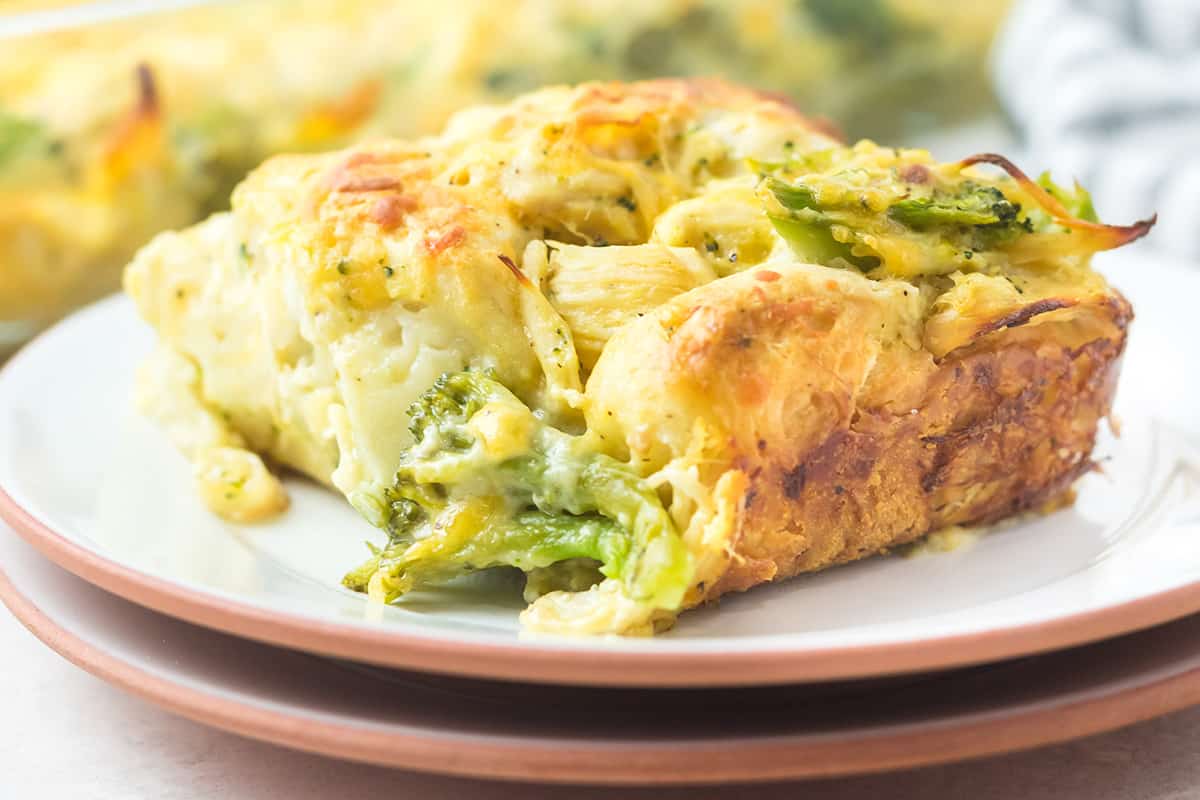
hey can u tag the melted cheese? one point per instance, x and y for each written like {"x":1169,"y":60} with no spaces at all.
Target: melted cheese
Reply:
{"x":341,"y":286}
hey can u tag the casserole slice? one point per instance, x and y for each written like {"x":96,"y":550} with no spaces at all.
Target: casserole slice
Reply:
{"x":648,"y":343}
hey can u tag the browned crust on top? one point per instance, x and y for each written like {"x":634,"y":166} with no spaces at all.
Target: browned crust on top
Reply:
{"x":1001,"y":428}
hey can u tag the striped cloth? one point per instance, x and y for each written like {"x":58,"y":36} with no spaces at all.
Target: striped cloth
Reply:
{"x":1108,"y":92}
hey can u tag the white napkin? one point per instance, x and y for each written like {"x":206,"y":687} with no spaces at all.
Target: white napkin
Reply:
{"x":1108,"y":92}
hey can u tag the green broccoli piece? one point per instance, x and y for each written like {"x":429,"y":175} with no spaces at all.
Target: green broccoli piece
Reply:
{"x":808,"y":229}
{"x":20,"y":136}
{"x":1076,"y":200}
{"x":871,"y":24}
{"x":971,"y":206}
{"x":567,"y":502}
{"x":359,"y":578}
{"x":983,"y":214}
{"x":793,"y":197}
{"x":811,"y":237}
{"x":528,"y":540}
{"x":443,"y":411}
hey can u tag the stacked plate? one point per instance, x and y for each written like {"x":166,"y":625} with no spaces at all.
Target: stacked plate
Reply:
{"x":1041,"y":630}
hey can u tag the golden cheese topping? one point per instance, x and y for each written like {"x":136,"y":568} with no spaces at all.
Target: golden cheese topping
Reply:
{"x":348,"y":282}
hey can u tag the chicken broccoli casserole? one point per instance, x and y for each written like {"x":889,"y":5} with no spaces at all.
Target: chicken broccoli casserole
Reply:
{"x":648,"y":343}
{"x":112,"y":132}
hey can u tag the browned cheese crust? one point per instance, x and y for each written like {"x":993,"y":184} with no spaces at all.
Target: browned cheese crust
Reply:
{"x":999,"y":429}
{"x":849,"y":447}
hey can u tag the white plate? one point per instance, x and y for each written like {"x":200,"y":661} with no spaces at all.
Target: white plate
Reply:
{"x":544,"y":733}
{"x":102,"y":492}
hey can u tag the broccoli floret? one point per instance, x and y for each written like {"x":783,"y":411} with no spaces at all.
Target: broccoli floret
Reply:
{"x":550,"y":499}
{"x":1076,"y":200}
{"x":438,"y":423}
{"x":983,"y":214}
{"x":970,"y":206}
{"x":808,"y":229}
{"x":443,"y":410}
{"x":811,"y":236}
{"x":528,"y":540}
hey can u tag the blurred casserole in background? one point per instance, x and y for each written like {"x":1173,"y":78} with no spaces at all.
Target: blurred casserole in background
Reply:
{"x":116,"y":123}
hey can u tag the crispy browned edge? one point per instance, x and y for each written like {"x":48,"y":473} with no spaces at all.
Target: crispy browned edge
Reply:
{"x":1006,"y":425}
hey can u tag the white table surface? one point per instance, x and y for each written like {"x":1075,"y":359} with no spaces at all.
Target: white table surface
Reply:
{"x":66,"y":734}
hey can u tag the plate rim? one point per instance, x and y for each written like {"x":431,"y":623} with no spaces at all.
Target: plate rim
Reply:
{"x":564,"y":662}
{"x":534,"y":662}
{"x":922,"y":742}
